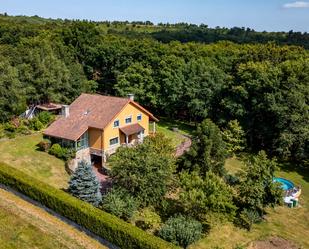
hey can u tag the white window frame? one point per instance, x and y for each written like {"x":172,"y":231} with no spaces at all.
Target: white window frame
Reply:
{"x":118,"y":123}
{"x":139,"y":115}
{"x":125,"y":120}
{"x":113,"y":145}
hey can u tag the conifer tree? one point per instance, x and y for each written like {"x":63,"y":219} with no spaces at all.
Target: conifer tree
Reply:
{"x":85,"y":185}
{"x":234,"y":137}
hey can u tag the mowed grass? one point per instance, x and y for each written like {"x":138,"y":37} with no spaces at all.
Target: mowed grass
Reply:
{"x":290,"y":224}
{"x":23,"y":225}
{"x":166,"y":126}
{"x":22,"y":153}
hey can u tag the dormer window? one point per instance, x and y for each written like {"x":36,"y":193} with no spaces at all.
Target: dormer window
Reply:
{"x":139,"y":117}
{"x":128,"y":120}
{"x":116,"y":123}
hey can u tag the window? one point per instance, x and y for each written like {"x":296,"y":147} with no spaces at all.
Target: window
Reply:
{"x":139,"y":117}
{"x":116,"y":123}
{"x":82,"y":142}
{"x":128,"y":120}
{"x":113,"y":141}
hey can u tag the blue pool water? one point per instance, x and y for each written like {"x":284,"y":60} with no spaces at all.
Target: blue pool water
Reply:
{"x":286,"y":184}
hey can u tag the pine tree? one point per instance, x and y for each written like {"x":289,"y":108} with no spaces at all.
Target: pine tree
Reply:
{"x":85,"y":185}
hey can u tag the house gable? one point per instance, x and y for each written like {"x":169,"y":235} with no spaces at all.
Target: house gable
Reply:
{"x":130,"y":110}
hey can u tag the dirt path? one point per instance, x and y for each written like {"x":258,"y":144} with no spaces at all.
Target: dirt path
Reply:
{"x":273,"y":243}
{"x":184,"y":146}
{"x":65,"y":234}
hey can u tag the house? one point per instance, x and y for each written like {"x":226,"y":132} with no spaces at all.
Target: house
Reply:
{"x":96,"y":125}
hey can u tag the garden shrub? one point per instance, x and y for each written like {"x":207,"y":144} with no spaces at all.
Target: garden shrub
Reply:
{"x":181,"y":230}
{"x":9,"y":127}
{"x":148,"y":219}
{"x":120,"y":203}
{"x":24,"y":130}
{"x":44,"y":145}
{"x":45,"y":117}
{"x":56,"y":150}
{"x":35,"y":124}
{"x":109,"y":227}
{"x":2,"y":132}
{"x":247,"y":218}
{"x":62,"y":153}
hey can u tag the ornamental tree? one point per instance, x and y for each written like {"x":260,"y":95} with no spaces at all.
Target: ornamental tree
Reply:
{"x":206,"y":196}
{"x":145,"y":171}
{"x":257,"y":189}
{"x":85,"y":185}
{"x":234,"y":137}
{"x":207,"y":152}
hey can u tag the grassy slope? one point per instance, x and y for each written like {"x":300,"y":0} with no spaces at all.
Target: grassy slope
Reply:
{"x":22,"y":153}
{"x":291,"y":224}
{"x":165,"y":126}
{"x":23,"y":225}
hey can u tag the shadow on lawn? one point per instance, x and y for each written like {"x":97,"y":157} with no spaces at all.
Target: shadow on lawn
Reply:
{"x":181,"y":125}
{"x":301,"y":170}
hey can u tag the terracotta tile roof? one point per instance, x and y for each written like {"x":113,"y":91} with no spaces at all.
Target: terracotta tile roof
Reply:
{"x":131,"y":129}
{"x":49,"y":106}
{"x":89,"y":110}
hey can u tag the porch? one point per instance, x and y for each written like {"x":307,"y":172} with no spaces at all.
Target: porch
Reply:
{"x":131,"y":134}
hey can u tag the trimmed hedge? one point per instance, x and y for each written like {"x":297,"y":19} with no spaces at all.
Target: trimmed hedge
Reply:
{"x":107,"y":226}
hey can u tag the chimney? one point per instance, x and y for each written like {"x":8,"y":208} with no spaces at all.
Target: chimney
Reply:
{"x":131,"y":96}
{"x":65,"y":110}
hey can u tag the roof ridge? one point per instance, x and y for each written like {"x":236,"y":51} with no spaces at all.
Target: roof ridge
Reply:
{"x":110,"y":96}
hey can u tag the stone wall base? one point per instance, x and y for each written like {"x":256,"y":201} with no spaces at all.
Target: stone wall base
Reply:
{"x":80,"y":156}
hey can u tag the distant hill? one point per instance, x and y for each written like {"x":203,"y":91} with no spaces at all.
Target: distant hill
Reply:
{"x":182,"y":32}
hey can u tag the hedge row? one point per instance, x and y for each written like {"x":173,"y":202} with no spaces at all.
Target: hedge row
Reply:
{"x":107,"y":226}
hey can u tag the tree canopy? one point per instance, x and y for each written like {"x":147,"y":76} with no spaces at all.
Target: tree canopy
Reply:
{"x":260,"y":79}
{"x":145,"y":171}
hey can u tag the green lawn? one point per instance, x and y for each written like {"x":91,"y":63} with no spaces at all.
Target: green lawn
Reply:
{"x":22,"y":153}
{"x":23,"y":225}
{"x":291,"y":224}
{"x":166,"y":126}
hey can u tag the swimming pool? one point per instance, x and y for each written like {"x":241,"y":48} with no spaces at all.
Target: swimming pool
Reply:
{"x":286,"y":184}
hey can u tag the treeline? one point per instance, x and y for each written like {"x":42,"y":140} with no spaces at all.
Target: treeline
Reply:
{"x":264,"y":86}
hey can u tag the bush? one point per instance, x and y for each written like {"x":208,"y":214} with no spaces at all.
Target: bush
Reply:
{"x":44,"y":145}
{"x":181,"y":230}
{"x":45,"y":117}
{"x":109,"y":227}
{"x":24,"y":130}
{"x":247,"y":218}
{"x":35,"y":124}
{"x":148,"y":219}
{"x":9,"y":127}
{"x":56,"y":150}
{"x":61,"y":152}
{"x":119,"y":203}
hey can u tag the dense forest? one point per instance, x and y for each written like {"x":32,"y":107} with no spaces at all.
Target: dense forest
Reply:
{"x":181,"y":71}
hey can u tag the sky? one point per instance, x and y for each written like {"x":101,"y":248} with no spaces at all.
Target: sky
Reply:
{"x":269,"y":15}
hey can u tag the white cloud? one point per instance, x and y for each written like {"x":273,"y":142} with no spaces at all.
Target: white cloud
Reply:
{"x":297,"y":4}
